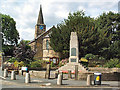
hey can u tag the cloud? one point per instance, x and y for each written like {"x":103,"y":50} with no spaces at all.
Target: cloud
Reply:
{"x":25,"y":12}
{"x":26,"y":35}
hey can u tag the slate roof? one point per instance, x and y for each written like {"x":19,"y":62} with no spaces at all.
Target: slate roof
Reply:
{"x":41,"y":35}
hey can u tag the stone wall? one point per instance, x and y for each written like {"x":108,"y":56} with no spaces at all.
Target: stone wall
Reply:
{"x":32,"y":45}
{"x":101,"y":69}
{"x":39,"y":51}
{"x":114,"y":76}
{"x":111,"y":76}
{"x":108,"y":74}
{"x":41,"y":74}
{"x":48,"y":52}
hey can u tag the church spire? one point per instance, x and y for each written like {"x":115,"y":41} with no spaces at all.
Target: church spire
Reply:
{"x":40,"y":17}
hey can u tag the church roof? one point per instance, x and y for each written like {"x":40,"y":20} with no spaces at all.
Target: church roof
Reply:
{"x":41,"y":35}
{"x":40,"y":17}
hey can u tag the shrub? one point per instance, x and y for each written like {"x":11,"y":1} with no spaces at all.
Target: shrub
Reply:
{"x":93,"y":64}
{"x":118,"y":65}
{"x":38,"y":63}
{"x":13,"y":59}
{"x":52,"y":64}
{"x":112,"y":63}
{"x":21,"y":64}
{"x":84,"y":61}
{"x":101,"y":58}
{"x":24,"y":52}
{"x":16,"y":63}
{"x":60,"y":64}
{"x":89,"y":56}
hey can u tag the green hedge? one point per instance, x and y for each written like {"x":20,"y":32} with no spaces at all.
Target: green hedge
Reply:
{"x":115,"y":62}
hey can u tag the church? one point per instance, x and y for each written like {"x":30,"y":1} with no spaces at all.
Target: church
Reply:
{"x":41,"y":40}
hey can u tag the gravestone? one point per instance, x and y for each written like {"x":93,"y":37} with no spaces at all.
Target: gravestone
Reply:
{"x":74,"y":53}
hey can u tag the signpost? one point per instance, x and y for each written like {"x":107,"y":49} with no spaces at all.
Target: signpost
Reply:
{"x":24,"y":68}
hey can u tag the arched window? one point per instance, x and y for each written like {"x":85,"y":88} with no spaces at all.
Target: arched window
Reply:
{"x":47,"y":44}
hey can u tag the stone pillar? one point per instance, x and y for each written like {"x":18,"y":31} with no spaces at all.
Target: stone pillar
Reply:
{"x":13,"y":76}
{"x":69,"y":74}
{"x":76,"y":72}
{"x":74,"y":51}
{"x":89,"y":80}
{"x":61,"y":73}
{"x":59,"y":80}
{"x":27,"y":78}
{"x":5,"y":73}
{"x":20,"y":72}
{"x":47,"y":74}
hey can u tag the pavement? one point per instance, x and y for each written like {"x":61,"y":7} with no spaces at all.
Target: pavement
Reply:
{"x":52,"y":83}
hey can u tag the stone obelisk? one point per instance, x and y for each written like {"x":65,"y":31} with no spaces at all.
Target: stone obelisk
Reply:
{"x":74,"y":51}
{"x":73,"y":65}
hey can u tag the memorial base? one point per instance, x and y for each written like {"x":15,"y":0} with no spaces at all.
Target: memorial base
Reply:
{"x":71,"y":67}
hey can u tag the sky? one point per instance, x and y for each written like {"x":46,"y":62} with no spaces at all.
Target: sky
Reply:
{"x":25,"y":12}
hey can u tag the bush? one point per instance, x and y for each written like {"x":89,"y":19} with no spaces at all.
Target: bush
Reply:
{"x":89,"y":56}
{"x":93,"y":64}
{"x":52,"y":64}
{"x":118,"y":65}
{"x":60,"y":64}
{"x":113,"y":63}
{"x":38,"y":63}
{"x":21,"y":64}
{"x":12,"y":60}
{"x":16,"y":63}
{"x":101,"y":58}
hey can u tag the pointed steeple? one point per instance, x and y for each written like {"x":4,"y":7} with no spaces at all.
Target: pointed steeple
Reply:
{"x":40,"y":17}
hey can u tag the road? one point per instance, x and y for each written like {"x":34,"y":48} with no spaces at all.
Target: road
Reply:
{"x":51,"y":83}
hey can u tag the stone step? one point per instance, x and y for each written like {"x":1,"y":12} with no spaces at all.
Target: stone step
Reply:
{"x":71,"y":66}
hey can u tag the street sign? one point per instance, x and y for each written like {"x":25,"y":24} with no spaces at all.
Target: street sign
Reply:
{"x":24,"y":68}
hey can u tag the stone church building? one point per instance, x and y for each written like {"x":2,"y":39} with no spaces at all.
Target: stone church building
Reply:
{"x":41,"y":40}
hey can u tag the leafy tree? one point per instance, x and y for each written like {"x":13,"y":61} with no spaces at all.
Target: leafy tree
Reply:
{"x":12,"y":60}
{"x":10,"y":34}
{"x":76,"y":22}
{"x":96,"y":36}
{"x":108,"y":26}
{"x":24,"y":52}
{"x":8,"y":50}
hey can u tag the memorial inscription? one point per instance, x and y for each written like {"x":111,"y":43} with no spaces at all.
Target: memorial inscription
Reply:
{"x":73,"y":60}
{"x":73,"y":51}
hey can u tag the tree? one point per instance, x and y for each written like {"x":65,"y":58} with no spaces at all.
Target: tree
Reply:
{"x":10,"y":34}
{"x":24,"y":52}
{"x":76,"y":22}
{"x":108,"y":26}
{"x":99,"y":36}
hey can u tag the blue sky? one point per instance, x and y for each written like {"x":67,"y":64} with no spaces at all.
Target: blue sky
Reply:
{"x":25,"y":12}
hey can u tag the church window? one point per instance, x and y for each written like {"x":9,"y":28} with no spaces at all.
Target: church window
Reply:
{"x":47,"y":44}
